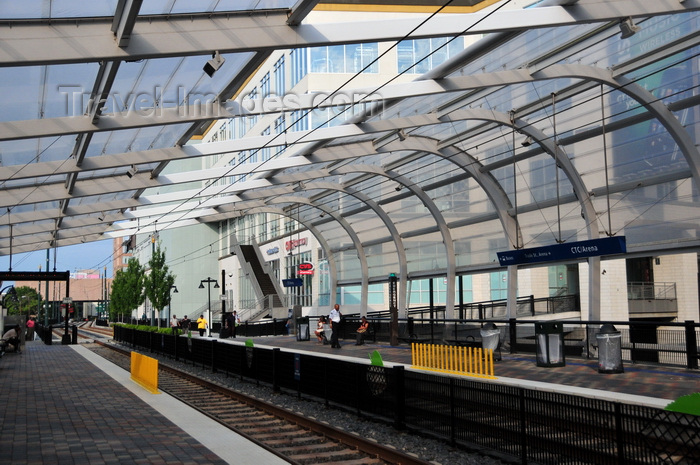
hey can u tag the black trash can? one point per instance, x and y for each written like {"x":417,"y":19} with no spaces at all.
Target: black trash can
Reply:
{"x":609,"y":341}
{"x":303,"y":328}
{"x":550,"y":344}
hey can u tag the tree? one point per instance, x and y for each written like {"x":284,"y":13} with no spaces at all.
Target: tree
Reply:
{"x":127,"y":289}
{"x":159,"y":280}
{"x":25,"y":301}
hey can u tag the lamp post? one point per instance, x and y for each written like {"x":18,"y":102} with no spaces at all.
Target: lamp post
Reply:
{"x":173,"y":290}
{"x":216,"y":286}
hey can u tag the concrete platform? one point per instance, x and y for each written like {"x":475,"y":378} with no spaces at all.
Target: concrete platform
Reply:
{"x":62,"y":404}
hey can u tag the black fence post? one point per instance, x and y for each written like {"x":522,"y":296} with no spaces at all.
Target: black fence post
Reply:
{"x":325,"y":381}
{"x":213,"y":355}
{"x":74,"y":338}
{"x":275,"y":361}
{"x":691,"y":344}
{"x":400,"y":397}
{"x":359,"y":371}
{"x":177,"y":339}
{"x":512,"y":334}
{"x":523,"y":427}
{"x":453,"y":419}
{"x":618,"y":433}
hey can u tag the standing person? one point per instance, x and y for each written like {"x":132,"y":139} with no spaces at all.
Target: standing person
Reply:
{"x":185,"y":325}
{"x":174,"y":324}
{"x":232,"y":321}
{"x":30,"y":329}
{"x":236,"y":321}
{"x":334,"y":318}
{"x":201,"y":325}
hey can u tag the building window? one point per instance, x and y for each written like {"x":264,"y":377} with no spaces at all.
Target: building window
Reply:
{"x":264,"y":150}
{"x":265,"y":85}
{"x":345,"y":58}
{"x":426,"y":54}
{"x":300,"y":68}
{"x":280,"y":88}
{"x":300,"y":120}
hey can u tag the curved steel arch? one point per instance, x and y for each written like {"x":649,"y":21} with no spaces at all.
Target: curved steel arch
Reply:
{"x":398,"y":242}
{"x":353,"y":236}
{"x":432,"y":209}
{"x":641,"y":95}
{"x":324,"y":244}
{"x":550,"y":147}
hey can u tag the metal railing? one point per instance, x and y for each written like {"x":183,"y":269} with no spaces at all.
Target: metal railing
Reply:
{"x":525,"y":306}
{"x":528,"y":425}
{"x":651,"y":291}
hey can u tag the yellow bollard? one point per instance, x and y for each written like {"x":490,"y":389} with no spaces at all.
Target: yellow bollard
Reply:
{"x":144,"y":371}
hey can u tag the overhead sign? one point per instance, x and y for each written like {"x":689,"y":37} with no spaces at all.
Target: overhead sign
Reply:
{"x":34,"y":276}
{"x":293,"y":282}
{"x":305,"y":268}
{"x":565,"y":251}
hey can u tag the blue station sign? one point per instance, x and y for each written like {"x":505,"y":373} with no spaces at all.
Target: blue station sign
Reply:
{"x":565,"y":251}
{"x":293,"y":282}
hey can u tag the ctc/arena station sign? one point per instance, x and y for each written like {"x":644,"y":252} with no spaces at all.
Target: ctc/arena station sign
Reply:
{"x":562,"y":252}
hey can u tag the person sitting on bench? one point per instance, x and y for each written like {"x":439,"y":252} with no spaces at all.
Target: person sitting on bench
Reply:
{"x":362,"y":331}
{"x":320,"y":330}
{"x":10,"y":340}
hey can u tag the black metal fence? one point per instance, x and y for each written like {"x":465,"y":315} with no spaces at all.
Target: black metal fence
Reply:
{"x":531,"y":426}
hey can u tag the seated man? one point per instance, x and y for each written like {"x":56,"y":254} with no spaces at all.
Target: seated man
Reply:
{"x":10,"y":340}
{"x":362,"y":331}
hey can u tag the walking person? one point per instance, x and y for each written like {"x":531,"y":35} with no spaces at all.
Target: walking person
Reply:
{"x":185,"y":325}
{"x":30,"y":330}
{"x":201,"y":325}
{"x":174,"y":324}
{"x":335,"y":318}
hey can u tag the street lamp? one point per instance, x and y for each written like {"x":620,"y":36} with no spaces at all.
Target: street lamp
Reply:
{"x":216,"y":286}
{"x":173,"y":290}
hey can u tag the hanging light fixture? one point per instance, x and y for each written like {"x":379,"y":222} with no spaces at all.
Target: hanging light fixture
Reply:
{"x":628,"y":28}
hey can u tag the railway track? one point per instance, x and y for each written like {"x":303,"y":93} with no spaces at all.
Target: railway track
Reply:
{"x":294,"y":438}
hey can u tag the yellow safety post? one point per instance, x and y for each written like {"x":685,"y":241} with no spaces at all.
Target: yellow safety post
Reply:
{"x":460,"y":360}
{"x":144,"y":371}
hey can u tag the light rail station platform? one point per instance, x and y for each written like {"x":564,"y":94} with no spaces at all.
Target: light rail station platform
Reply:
{"x":64,"y":404}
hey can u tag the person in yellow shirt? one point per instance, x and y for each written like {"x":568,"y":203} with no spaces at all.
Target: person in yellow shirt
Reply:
{"x":201,"y":325}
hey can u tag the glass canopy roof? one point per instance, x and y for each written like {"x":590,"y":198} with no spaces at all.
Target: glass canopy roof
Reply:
{"x":552,"y":128}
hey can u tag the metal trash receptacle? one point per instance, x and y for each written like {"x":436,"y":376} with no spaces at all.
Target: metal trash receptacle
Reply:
{"x":490,"y":337}
{"x":549,"y":337}
{"x":609,"y":341}
{"x":303,"y":328}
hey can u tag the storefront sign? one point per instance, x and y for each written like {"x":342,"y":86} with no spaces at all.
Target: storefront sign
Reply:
{"x":305,"y":268}
{"x":273,"y":250}
{"x":290,"y":245}
{"x":565,"y":251}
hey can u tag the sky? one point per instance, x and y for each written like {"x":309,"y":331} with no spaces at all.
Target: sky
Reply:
{"x":88,"y":256}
